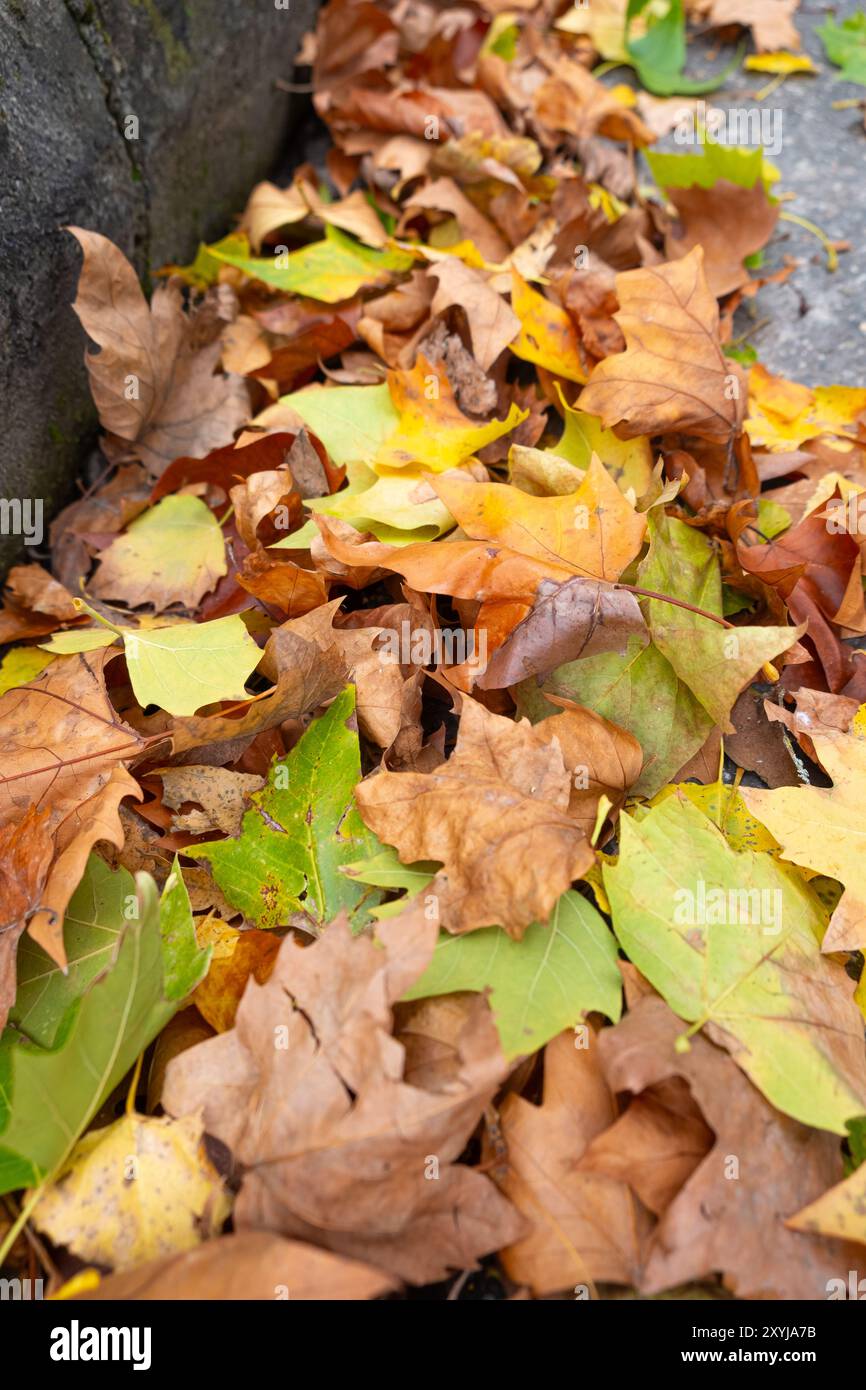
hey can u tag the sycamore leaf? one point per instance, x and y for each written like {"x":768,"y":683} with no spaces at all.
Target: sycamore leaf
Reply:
{"x":659,"y":53}
{"x":329,"y":1135}
{"x":495,"y":815}
{"x":584,"y":1227}
{"x":548,"y":981}
{"x":235,"y":957}
{"x":712,"y":1223}
{"x":668,"y":316}
{"x":845,"y":45}
{"x":179,"y":668}
{"x":283,"y":868}
{"x":174,"y":553}
{"x":628,"y":461}
{"x":821,"y":829}
{"x":714,"y":662}
{"x":594,"y":530}
{"x":769,"y":21}
{"x":783,"y":414}
{"x":139,"y":1189}
{"x":729,"y":940}
{"x":153,"y":385}
{"x":155,"y":965}
{"x":709,"y":163}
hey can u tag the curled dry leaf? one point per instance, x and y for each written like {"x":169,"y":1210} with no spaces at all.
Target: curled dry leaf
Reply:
{"x":332,"y":1139}
{"x":181,"y":404}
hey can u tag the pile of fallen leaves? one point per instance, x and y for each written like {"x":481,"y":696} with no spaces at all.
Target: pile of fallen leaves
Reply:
{"x":375,"y":896}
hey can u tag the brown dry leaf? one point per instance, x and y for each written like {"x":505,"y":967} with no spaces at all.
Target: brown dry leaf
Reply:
{"x":577,"y":618}
{"x":65,"y":749}
{"x":443,"y":195}
{"x":152,"y":387}
{"x":572,"y":100}
{"x":26,"y":849}
{"x":602,"y":758}
{"x":33,"y":587}
{"x":728,"y":1217}
{"x":277,"y":581}
{"x":221,"y":794}
{"x":308,"y":1092}
{"x":496,"y":817}
{"x":673,"y":374}
{"x":769,"y":20}
{"x":586,"y":1228}
{"x":492,"y":325}
{"x":250,"y":1265}
{"x":655,"y":1146}
{"x":729,"y":222}
{"x":257,"y":497}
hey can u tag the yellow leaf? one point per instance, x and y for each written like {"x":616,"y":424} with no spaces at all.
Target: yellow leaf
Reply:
{"x":820,"y":828}
{"x":594,"y":529}
{"x":433,"y":431}
{"x":237,"y":955}
{"x":139,"y":1189}
{"x":780,"y":63}
{"x":783,"y":414}
{"x":547,"y":335}
{"x":840,"y":1213}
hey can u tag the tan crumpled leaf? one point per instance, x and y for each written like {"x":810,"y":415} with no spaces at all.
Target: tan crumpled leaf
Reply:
{"x":763,"y":1166}
{"x":586,"y":1228}
{"x":729,"y":222}
{"x":65,"y":749}
{"x":496,"y":815}
{"x":139,"y":1189}
{"x":307,"y":1091}
{"x":251,"y":1265}
{"x":492,"y":324}
{"x":769,"y":20}
{"x":673,"y":374}
{"x":152,"y":386}
{"x":221,"y":793}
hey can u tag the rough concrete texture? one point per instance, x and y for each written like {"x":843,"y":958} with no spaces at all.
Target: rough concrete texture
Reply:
{"x":199,"y":76}
{"x":816,"y":329}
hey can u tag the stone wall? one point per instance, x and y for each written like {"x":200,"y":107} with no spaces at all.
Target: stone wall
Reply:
{"x":200,"y":78}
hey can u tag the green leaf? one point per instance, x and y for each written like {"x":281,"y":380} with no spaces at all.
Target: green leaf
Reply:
{"x":640,"y":691}
{"x":180,"y":668}
{"x":731,"y":941}
{"x":303,"y":826}
{"x":102,"y":904}
{"x":659,"y":55}
{"x":48,"y":1096}
{"x":352,"y":421}
{"x":329,"y":270}
{"x":856,"y":1143}
{"x":547,"y":981}
{"x":384,"y":870}
{"x":712,"y":661}
{"x":710,"y":162}
{"x":845,"y":45}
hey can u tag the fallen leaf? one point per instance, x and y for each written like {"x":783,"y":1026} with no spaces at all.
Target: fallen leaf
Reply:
{"x":174,"y":553}
{"x":667,"y":314}
{"x":309,"y":1119}
{"x":152,"y":387}
{"x":495,"y":815}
